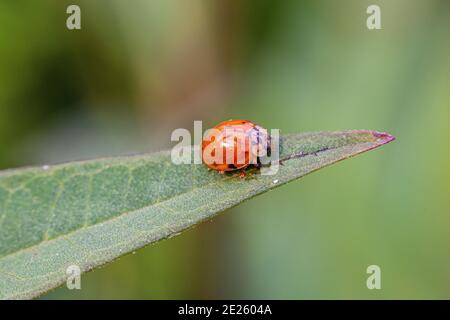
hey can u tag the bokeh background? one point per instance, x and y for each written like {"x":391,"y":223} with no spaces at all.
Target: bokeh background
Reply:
{"x":139,"y":69}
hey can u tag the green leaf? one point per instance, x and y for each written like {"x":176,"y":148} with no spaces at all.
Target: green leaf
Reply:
{"x":91,"y":212}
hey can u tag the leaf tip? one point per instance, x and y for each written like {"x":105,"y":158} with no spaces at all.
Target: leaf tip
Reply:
{"x":380,"y":137}
{"x":383,"y":137}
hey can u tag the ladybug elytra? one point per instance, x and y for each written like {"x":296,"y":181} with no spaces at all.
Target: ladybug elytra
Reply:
{"x":235,"y":145}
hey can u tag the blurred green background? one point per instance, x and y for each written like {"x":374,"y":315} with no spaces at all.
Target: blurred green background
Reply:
{"x":139,"y":69}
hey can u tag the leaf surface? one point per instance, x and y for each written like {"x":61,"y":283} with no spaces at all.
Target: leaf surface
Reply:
{"x":90,"y":212}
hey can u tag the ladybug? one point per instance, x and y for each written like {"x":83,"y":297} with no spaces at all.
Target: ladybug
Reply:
{"x":235,"y":145}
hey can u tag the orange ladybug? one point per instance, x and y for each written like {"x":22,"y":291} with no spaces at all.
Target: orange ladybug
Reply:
{"x":234,"y":145}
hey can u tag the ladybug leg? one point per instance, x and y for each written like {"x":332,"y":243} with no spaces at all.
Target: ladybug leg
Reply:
{"x":258,"y":164}
{"x":248,"y":174}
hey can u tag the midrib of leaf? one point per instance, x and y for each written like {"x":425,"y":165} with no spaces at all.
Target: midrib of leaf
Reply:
{"x":93,"y":245}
